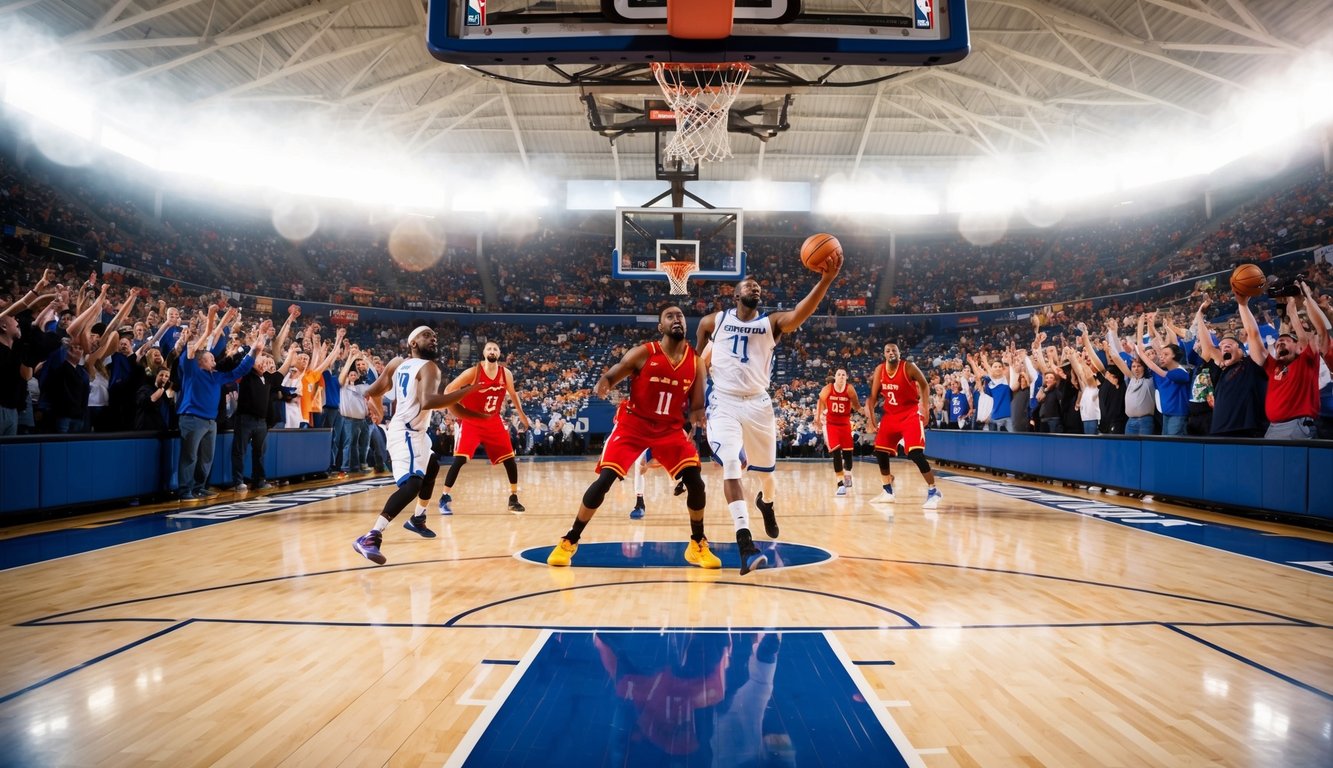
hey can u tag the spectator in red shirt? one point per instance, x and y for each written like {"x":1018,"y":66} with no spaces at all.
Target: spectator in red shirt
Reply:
{"x":1292,"y":402}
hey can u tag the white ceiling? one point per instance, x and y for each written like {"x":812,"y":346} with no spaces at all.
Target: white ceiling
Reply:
{"x":1042,"y":72}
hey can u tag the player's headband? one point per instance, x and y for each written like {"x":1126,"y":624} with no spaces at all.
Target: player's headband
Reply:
{"x":420,"y":329}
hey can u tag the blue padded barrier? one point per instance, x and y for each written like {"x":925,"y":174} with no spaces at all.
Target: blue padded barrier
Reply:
{"x":46,"y":472}
{"x":1285,"y":477}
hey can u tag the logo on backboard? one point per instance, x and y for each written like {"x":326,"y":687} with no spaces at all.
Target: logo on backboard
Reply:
{"x":925,"y":14}
{"x":476,"y":14}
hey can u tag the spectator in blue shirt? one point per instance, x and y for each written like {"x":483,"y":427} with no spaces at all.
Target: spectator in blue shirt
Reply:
{"x":201,"y":389}
{"x":1172,"y":381}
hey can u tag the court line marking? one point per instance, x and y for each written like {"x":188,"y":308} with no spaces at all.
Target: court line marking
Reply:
{"x":514,"y":598}
{"x":90,"y":662}
{"x":203,"y":516}
{"x":1245,"y":660}
{"x":1174,"y":626}
{"x":1052,"y":500}
{"x":910,"y":754}
{"x":469,"y":742}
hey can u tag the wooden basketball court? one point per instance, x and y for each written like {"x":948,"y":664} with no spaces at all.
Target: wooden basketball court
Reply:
{"x":994,"y":631}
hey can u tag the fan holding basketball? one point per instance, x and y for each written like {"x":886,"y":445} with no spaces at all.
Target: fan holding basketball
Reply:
{"x":821,"y":251}
{"x":1247,"y":281}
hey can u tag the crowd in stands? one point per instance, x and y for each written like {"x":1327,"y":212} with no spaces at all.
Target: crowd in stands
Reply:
{"x":562,"y":264}
{"x":160,"y":341}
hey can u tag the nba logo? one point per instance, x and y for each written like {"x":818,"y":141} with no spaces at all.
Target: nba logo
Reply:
{"x":925,"y":15}
{"x":476,"y":14}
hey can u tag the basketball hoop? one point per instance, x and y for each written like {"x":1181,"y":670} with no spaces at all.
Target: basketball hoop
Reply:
{"x":701,"y":95}
{"x":678,"y":274}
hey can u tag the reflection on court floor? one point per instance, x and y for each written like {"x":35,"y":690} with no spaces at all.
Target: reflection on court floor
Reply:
{"x":671,"y":554}
{"x":683,"y":699}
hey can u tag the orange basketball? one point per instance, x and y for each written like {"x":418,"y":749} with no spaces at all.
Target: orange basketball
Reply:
{"x":818,"y":249}
{"x":1247,"y":280}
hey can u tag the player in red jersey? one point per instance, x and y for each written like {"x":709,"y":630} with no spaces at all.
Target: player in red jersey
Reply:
{"x":668,"y":377}
{"x":906,"y":396}
{"x":833,"y":417}
{"x":494,"y":383}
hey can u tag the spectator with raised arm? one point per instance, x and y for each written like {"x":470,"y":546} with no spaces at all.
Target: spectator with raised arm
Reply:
{"x":1238,"y":381}
{"x":1292,"y":401}
{"x":1171,"y":378}
{"x":201,"y":389}
{"x":1110,"y":386}
{"x":1140,"y":390}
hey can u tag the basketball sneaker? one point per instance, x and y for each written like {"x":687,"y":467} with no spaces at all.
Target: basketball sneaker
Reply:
{"x":885,"y":496}
{"x":698,"y":553}
{"x":679,"y":489}
{"x":446,"y":504}
{"x":842,"y":490}
{"x":562,"y":553}
{"x":637,"y":512}
{"x":751,"y":558}
{"x":770,"y":518}
{"x":368,"y":546}
{"x":933,"y":498}
{"x":514,"y":506}
{"x":417,"y":525}
{"x":847,"y":480}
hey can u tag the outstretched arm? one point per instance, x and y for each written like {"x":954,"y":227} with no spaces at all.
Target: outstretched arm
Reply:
{"x":1205,"y":346}
{"x":1317,"y":317}
{"x":785,"y":322}
{"x":1253,"y":340}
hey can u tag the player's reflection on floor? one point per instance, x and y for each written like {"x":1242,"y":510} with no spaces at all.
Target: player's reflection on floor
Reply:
{"x":697,"y":699}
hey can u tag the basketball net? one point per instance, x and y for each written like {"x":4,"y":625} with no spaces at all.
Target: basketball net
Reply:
{"x":701,"y":95}
{"x":678,"y":274}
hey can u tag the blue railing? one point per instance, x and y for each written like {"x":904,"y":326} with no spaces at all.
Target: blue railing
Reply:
{"x":1294,"y":478}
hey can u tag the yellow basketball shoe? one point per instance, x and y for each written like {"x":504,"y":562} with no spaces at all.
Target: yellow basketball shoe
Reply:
{"x":562,"y":553}
{"x":698,"y":553}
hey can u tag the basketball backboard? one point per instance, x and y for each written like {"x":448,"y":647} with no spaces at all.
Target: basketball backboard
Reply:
{"x":713,"y":238}
{"x":904,"y":33}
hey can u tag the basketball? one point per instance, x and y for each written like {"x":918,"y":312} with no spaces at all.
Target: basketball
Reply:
{"x":1247,"y":280}
{"x":818,"y":249}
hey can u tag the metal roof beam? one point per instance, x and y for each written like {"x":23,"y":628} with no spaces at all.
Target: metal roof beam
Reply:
{"x":1075,"y":24}
{"x":1077,"y":75}
{"x":1217,"y":21}
{"x":281,"y":21}
{"x":280,"y":74}
{"x":513,"y":124}
{"x":314,"y":37}
{"x":138,"y":18}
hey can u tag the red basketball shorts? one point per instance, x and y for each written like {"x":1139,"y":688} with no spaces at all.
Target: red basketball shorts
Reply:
{"x":904,"y":427}
{"x":632,"y":435}
{"x":490,"y":433}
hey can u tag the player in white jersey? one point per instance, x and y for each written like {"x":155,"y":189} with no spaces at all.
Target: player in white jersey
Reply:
{"x":414,"y":382}
{"x":740,"y":411}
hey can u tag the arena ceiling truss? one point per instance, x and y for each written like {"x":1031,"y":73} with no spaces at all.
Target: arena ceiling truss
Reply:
{"x":1041,"y":72}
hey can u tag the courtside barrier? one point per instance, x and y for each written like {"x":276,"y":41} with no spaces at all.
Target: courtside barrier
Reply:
{"x":1284,"y":477}
{"x":51,"y":471}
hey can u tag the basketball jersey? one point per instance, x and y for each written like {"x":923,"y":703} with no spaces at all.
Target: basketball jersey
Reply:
{"x":487,"y":397}
{"x":899,"y":391}
{"x":408,"y":413}
{"x":839,"y":406}
{"x":742,"y":354}
{"x":660,"y":391}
